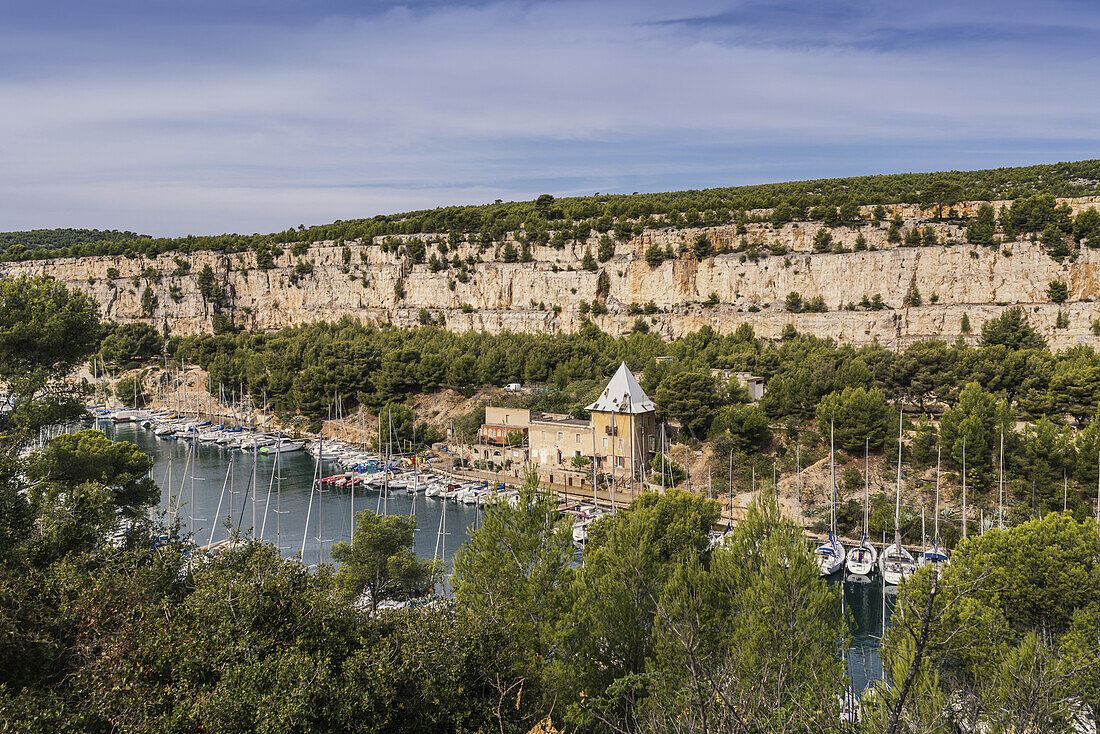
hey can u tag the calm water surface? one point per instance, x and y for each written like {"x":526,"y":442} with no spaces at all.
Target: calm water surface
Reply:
{"x":246,"y":486}
{"x":232,"y":478}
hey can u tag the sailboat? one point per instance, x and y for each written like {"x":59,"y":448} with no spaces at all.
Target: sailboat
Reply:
{"x":862,"y":558}
{"x":896,"y":562}
{"x":830,"y":554}
{"x":934,"y":555}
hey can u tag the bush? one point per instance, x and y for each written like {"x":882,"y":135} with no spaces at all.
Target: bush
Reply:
{"x":816,"y":305}
{"x":606,"y":249}
{"x":654,"y":256}
{"x":701,"y":248}
{"x":588,"y":262}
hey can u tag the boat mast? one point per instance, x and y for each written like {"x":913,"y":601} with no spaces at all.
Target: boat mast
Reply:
{"x":866,"y":483}
{"x":314,"y":481}
{"x":832,"y":480}
{"x":897,"y":505}
{"x":964,"y":489}
{"x":320,"y":503}
{"x":936,"y":520}
{"x":923,"y":535}
{"x":279,"y":497}
{"x":382,"y":461}
{"x":255,"y":454}
{"x":614,"y":435}
{"x":352,"y":496}
{"x":217,"y":514}
{"x":595,"y":483}
{"x":1001,"y":484}
{"x":729,"y":524}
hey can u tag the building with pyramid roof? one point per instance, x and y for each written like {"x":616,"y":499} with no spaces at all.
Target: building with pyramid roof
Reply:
{"x":625,"y":424}
{"x":620,"y":437}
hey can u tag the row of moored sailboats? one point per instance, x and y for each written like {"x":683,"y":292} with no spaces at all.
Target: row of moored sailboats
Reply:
{"x":895,"y":562}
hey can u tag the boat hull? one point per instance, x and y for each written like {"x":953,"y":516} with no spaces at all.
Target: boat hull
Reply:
{"x":896,"y":564}
{"x":861,"y":560}
{"x":829,"y":558}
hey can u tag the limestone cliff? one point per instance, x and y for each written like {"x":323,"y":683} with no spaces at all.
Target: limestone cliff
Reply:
{"x":546,"y":294}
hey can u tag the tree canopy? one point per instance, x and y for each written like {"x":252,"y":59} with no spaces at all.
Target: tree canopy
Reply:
{"x":46,"y":332}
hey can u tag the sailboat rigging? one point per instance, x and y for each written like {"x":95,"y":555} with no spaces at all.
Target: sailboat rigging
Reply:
{"x":830,"y":555}
{"x":861,"y":559}
{"x":896,"y":562}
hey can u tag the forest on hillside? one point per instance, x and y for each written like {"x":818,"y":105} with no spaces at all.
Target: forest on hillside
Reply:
{"x":952,"y":393}
{"x":567,"y":218}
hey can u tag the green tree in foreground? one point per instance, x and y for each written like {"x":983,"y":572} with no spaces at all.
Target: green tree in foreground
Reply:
{"x":513,"y":571}
{"x":89,"y":456}
{"x":46,"y":332}
{"x":1005,"y":636}
{"x":379,"y":564}
{"x":750,"y":642}
{"x":605,"y":640}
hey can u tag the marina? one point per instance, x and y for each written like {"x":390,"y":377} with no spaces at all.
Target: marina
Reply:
{"x":199,"y":470}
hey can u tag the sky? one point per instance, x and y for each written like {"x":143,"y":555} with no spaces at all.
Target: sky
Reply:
{"x":173,"y":118}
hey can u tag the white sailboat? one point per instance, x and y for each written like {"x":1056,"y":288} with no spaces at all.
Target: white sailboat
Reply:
{"x":896,"y":562}
{"x":934,"y":555}
{"x":830,"y":554}
{"x":861,"y":559}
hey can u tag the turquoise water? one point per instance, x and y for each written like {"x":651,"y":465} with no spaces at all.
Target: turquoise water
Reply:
{"x":230,"y":476}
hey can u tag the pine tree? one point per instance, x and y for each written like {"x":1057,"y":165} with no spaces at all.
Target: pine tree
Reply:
{"x":588,"y":262}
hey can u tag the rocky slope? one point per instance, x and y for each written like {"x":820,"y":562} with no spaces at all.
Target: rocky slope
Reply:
{"x":546,"y":294}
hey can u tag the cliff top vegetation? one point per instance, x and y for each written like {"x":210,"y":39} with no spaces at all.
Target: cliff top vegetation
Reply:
{"x":599,"y":212}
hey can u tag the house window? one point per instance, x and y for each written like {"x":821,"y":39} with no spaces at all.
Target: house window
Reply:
{"x":543,"y":435}
{"x":620,"y":444}
{"x":652,"y":445}
{"x":559,"y":435}
{"x":605,"y":442}
{"x":578,"y":438}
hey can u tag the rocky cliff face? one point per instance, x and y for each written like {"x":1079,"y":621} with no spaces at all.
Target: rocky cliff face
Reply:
{"x":546,"y":294}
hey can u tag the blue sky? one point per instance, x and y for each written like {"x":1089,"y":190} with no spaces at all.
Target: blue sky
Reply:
{"x":174,"y":118}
